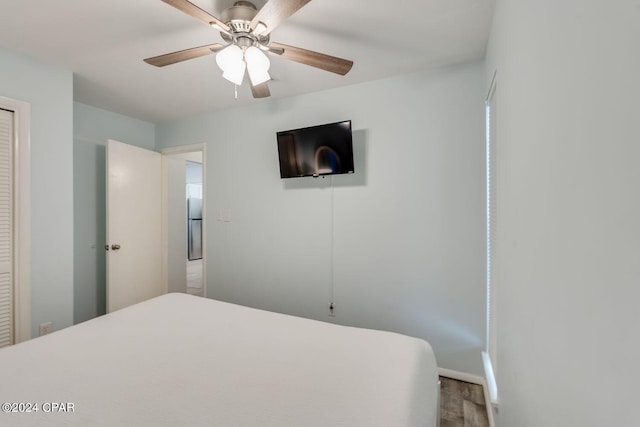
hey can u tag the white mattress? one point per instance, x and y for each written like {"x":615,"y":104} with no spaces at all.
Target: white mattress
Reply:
{"x":179,"y":360}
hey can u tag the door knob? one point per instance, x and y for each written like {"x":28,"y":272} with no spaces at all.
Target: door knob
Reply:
{"x":115,"y":247}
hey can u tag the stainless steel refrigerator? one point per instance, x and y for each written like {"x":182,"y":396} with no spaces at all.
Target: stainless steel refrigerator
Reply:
{"x":194,"y":228}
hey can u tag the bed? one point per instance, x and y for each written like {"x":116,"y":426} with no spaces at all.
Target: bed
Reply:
{"x":180,"y":360}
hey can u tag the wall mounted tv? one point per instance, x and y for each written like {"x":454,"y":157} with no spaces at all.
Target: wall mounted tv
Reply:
{"x":316,"y":150}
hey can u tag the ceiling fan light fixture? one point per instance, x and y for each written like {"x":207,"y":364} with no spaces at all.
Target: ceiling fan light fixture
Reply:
{"x":261,"y":27}
{"x":231,"y":61}
{"x":246,"y":30}
{"x":257,"y":65}
{"x":229,"y":57}
{"x":235,"y":73}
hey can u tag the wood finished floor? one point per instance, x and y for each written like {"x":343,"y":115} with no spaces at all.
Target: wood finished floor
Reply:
{"x":462,"y":404}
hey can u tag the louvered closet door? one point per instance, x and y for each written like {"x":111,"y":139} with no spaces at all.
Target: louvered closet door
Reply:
{"x":6,"y":228}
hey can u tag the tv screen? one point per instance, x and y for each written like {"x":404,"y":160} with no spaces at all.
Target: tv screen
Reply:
{"x":316,"y":150}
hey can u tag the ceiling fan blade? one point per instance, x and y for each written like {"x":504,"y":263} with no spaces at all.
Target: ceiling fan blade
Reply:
{"x":183,"y":55}
{"x":274,"y":12}
{"x":314,"y":59}
{"x":261,"y":90}
{"x":200,"y":14}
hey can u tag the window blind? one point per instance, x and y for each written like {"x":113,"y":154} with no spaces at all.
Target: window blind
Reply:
{"x":6,"y":228}
{"x":491,"y":159}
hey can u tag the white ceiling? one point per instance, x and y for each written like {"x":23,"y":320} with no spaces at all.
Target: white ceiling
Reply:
{"x":104,"y":41}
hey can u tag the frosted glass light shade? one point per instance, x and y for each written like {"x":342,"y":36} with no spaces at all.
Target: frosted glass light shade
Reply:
{"x":258,"y":65}
{"x":228,"y":56}
{"x":235,"y":73}
{"x":230,"y":60}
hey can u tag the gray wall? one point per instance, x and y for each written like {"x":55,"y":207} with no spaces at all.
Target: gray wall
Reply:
{"x":92,"y":127}
{"x":400,"y":244}
{"x":568,"y":242}
{"x":49,"y":91}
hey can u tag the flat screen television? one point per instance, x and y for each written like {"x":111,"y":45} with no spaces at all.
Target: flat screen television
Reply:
{"x":316,"y":150}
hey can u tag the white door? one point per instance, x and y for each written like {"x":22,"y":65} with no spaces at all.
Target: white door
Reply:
{"x":134,"y":225}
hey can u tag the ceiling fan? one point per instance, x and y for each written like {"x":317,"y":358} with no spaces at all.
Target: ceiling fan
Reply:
{"x":246,"y":31}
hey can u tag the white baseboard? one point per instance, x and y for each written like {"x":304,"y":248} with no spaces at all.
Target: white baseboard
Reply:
{"x":491,"y":378}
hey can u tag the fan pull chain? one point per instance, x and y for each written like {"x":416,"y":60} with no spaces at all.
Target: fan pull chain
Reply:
{"x":235,"y":91}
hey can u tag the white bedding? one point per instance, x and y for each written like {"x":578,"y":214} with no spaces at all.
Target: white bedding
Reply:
{"x":179,"y":360}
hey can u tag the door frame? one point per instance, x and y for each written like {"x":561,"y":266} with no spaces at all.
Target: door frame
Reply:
{"x":170,"y":151}
{"x":22,"y":217}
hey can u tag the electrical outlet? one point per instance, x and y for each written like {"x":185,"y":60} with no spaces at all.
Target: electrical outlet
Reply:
{"x":46,"y":328}
{"x":332,"y":309}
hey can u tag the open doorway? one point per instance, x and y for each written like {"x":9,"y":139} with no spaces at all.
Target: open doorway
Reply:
{"x":194,"y":184}
{"x":184,"y":173}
